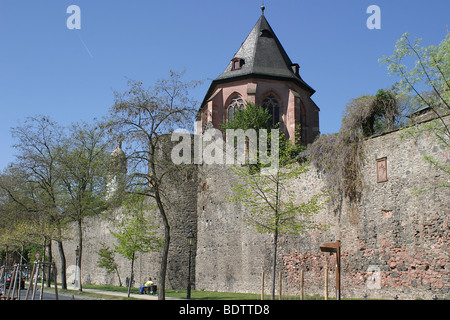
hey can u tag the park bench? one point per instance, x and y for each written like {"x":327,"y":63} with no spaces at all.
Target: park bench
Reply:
{"x":151,"y":289}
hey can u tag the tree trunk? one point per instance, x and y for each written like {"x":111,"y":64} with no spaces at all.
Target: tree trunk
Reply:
{"x":165,"y":255}
{"x":63,"y":265}
{"x":163,"y":270}
{"x":80,"y":247}
{"x":274,"y":262}
{"x":118,"y":276}
{"x":275,"y":236}
{"x":131,"y":275}
{"x":48,"y":248}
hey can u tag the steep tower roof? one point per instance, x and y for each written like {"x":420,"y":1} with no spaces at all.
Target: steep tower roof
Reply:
{"x":262,"y":55}
{"x":118,"y":160}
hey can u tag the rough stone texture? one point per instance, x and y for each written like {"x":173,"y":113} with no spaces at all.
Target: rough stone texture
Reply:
{"x":392,"y":230}
{"x":180,"y":189}
{"x":401,"y":235}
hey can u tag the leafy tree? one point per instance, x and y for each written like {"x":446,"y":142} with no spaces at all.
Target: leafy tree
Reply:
{"x":272,"y":207}
{"x":137,"y":232}
{"x":31,"y":186}
{"x":251,"y":117}
{"x":424,"y":74}
{"x":82,"y":170}
{"x":38,"y":142}
{"x":258,"y":118}
{"x":430,"y":72}
{"x":20,"y":222}
{"x":57,"y":178}
{"x":106,"y":260}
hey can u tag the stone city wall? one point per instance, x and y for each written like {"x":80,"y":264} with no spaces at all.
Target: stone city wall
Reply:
{"x":181,"y":191}
{"x":394,"y":241}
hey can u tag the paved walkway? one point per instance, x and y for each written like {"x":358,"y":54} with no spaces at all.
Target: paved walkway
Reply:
{"x":124,"y":294}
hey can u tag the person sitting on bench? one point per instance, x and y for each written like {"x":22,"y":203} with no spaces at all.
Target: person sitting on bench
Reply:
{"x":146,"y":286}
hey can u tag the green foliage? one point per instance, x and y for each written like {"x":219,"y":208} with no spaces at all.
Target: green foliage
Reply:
{"x":425,"y":75}
{"x":106,"y":259}
{"x":57,"y":177}
{"x":251,"y":117}
{"x":83,"y":170}
{"x":338,"y":155}
{"x":423,"y":71}
{"x":256,"y":118}
{"x":271,"y":206}
{"x":137,"y":232}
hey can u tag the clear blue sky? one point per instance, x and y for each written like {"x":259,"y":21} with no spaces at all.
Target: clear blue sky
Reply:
{"x":70,"y":75}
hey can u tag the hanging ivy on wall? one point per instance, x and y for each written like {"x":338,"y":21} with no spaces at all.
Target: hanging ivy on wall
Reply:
{"x":338,"y":155}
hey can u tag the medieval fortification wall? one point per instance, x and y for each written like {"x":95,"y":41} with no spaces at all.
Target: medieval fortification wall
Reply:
{"x":394,"y":241}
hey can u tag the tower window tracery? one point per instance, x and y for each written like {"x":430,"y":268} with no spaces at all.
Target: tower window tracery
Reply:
{"x":236,"y":103}
{"x":272,"y":104}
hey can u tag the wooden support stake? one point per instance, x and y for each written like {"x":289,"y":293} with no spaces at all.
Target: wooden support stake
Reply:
{"x":279,"y":284}
{"x":8,"y":297}
{"x":16,"y":274}
{"x":262,"y":285}
{"x":36,"y":279}
{"x":338,"y":272}
{"x":30,"y":286}
{"x":301,"y":284}
{"x":335,"y":247}
{"x":326,"y":283}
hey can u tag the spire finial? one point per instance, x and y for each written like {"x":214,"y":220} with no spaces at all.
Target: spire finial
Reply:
{"x":262,"y":9}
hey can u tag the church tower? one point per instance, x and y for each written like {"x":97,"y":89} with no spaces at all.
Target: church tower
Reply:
{"x":117,"y":170}
{"x":262,"y":73}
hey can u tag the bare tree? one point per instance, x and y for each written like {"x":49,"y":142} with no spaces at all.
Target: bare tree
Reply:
{"x":142,"y":117}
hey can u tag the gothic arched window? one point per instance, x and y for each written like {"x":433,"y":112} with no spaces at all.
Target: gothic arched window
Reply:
{"x":236,"y":103}
{"x":273,"y":106}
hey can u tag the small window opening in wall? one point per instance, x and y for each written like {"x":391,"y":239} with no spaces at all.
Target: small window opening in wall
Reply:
{"x":237,"y":63}
{"x":382,"y":170}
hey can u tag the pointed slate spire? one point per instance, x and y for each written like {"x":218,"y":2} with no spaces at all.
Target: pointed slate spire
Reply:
{"x":262,"y":54}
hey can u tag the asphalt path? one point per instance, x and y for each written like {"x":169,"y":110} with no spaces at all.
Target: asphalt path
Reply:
{"x":48,"y":295}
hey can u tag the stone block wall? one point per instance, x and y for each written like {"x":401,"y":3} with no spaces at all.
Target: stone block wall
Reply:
{"x":180,"y":192}
{"x":394,"y":241}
